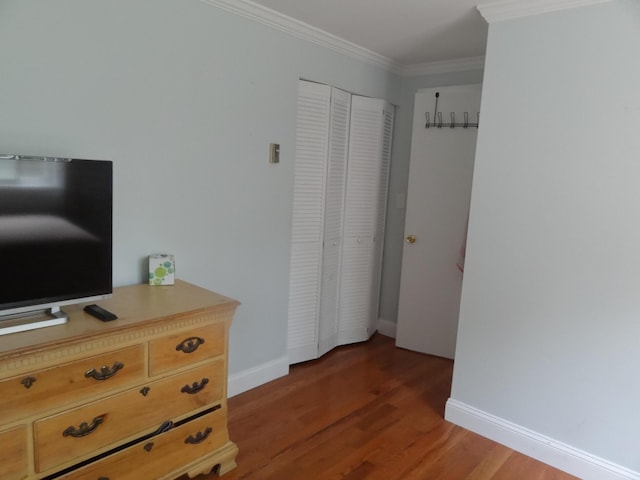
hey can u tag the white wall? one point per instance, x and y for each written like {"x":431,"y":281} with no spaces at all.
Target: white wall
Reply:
{"x":550,"y":318}
{"x":185,"y":99}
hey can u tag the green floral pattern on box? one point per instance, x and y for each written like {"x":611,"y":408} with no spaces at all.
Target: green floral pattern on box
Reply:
{"x":161,"y":269}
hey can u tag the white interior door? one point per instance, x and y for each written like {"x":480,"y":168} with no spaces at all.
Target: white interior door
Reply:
{"x":438,"y":195}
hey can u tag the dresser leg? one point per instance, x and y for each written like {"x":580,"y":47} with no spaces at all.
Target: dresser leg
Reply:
{"x":223,"y":461}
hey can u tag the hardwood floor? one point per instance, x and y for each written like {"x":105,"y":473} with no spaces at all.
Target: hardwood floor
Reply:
{"x":365,"y":411}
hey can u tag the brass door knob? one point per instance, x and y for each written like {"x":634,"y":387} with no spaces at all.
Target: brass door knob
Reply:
{"x":411,"y":239}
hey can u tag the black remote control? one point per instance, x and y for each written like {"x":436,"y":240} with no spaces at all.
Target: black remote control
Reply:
{"x":99,"y":312}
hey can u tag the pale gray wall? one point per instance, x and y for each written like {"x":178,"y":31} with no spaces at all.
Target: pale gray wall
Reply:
{"x":549,"y":323}
{"x":185,"y":99}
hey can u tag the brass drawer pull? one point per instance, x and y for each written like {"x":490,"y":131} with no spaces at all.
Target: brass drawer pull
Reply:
{"x":190,"y":345}
{"x":200,"y":436}
{"x":195,"y":387}
{"x":84,"y":429}
{"x":28,"y":381}
{"x":105,"y":371}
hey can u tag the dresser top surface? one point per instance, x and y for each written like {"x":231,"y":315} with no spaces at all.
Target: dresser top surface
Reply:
{"x":134,"y":305}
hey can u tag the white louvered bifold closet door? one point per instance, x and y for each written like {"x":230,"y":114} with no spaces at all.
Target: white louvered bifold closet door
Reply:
{"x":334,"y":209}
{"x":318,"y":205}
{"x":343,"y":148}
{"x":383,"y":186}
{"x":307,"y":231}
{"x":365,"y":209}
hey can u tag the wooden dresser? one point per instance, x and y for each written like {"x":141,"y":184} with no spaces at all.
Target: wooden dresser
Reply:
{"x":141,"y":398}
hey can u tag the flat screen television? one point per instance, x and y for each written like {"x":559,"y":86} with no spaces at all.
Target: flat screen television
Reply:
{"x":55,"y":237}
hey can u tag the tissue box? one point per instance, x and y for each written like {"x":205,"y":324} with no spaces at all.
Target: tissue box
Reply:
{"x":162,"y":268}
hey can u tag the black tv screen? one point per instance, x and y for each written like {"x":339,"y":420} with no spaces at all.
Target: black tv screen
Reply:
{"x":55,"y":231}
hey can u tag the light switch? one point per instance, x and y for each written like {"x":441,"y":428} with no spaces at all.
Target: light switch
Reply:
{"x":274,"y":153}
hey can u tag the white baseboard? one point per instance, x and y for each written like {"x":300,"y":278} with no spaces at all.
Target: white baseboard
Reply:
{"x":542,"y":448}
{"x":256,"y":376}
{"x":387,"y":328}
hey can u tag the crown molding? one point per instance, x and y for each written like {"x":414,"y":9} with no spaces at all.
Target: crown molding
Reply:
{"x":512,"y":9}
{"x":444,"y":66}
{"x":304,"y":31}
{"x":278,"y":21}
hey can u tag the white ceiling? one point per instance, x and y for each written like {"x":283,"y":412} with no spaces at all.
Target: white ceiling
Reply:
{"x":408,"y":32}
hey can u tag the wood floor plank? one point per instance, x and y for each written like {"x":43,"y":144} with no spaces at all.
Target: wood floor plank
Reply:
{"x":367,"y":411}
{"x":493,"y":460}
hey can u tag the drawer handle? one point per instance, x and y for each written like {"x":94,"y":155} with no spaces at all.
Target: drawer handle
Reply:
{"x":103,"y":478}
{"x":190,"y":345}
{"x":195,"y":387}
{"x":28,"y":381}
{"x":200,"y":436}
{"x":105,"y":371}
{"x":148,"y":446}
{"x":145,"y":391}
{"x":165,"y":427}
{"x":84,"y":429}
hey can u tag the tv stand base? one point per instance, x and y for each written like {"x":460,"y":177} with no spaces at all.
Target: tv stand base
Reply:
{"x":21,"y":322}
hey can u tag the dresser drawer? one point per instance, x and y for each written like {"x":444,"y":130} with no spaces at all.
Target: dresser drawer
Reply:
{"x":185,"y":348}
{"x":155,"y":457}
{"x":80,"y":432}
{"x":13,"y":453}
{"x":58,"y":386}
